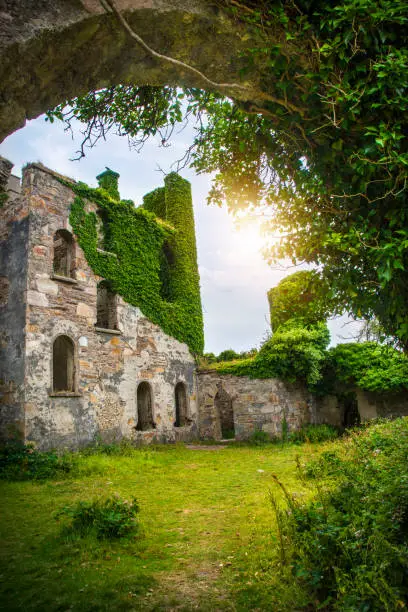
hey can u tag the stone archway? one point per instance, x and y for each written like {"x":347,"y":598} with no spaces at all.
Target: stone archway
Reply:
{"x":58,"y":49}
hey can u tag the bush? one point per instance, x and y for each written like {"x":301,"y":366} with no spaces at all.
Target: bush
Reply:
{"x":368,"y":365}
{"x":20,"y":461}
{"x":314,"y":433}
{"x":107,"y":518}
{"x":228,"y":355}
{"x":308,"y":433}
{"x":349,"y":546}
{"x":294,"y":353}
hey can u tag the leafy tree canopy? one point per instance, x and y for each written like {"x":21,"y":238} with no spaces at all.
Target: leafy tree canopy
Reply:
{"x":326,"y":149}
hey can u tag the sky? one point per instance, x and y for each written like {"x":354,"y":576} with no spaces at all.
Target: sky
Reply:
{"x":234,"y":276}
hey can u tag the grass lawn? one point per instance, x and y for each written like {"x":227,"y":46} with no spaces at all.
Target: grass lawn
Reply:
{"x":206,"y":540}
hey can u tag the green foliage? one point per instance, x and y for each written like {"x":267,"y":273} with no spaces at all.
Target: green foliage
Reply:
{"x":368,"y":365}
{"x":209,"y":358}
{"x":169,"y":297}
{"x":349,"y":546}
{"x":301,"y":295}
{"x":294,"y":353}
{"x":20,"y":461}
{"x":309,"y":433}
{"x":259,"y":438}
{"x":108,"y":518}
{"x":314,"y":433}
{"x":325,"y":145}
{"x":108,"y":181}
{"x":228,"y":355}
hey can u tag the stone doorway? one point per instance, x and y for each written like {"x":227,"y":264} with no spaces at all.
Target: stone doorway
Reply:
{"x":225,"y":413}
{"x":351,"y":415}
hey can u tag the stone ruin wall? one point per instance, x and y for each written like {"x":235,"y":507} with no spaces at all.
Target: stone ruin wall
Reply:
{"x":14,"y":229}
{"x":258,"y":405}
{"x":109,"y":366}
{"x":35,"y":307}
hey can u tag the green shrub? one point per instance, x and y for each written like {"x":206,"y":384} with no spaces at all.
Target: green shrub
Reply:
{"x":108,"y":518}
{"x":20,"y":461}
{"x":314,"y":433}
{"x":228,"y":355}
{"x":368,"y":365}
{"x":349,"y":546}
{"x":294,"y":353}
{"x":327,"y":464}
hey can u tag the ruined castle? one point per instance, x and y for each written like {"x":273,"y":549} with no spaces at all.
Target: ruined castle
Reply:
{"x":101,"y":321}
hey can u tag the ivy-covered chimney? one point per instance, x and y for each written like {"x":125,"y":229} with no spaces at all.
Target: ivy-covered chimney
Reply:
{"x":109,"y":180}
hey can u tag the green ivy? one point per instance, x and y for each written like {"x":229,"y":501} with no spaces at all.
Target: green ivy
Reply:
{"x":136,"y":238}
{"x":367,"y":365}
{"x":302,"y":295}
{"x":108,"y":180}
{"x":294,"y":353}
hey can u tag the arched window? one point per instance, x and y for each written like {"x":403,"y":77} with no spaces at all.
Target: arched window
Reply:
{"x":64,"y":261}
{"x":181,"y":405}
{"x":63,"y":364}
{"x":166,"y":264}
{"x":144,"y":407}
{"x":223,"y":406}
{"x":106,"y":311}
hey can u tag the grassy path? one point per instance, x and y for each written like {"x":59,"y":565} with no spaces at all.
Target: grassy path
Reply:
{"x":206,"y":540}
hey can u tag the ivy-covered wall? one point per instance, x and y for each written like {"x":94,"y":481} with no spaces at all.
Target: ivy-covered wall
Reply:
{"x":136,"y":240}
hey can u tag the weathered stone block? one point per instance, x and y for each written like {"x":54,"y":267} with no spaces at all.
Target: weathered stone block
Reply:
{"x":83,"y":310}
{"x":34,"y":298}
{"x":46,"y":285}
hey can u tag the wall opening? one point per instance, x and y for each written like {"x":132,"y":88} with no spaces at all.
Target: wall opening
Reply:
{"x":106,"y":306}
{"x":181,"y":405}
{"x":63,"y":364}
{"x":144,"y":407}
{"x":166,"y":264}
{"x":225,"y":412}
{"x":351,"y":415}
{"x":63,"y":261}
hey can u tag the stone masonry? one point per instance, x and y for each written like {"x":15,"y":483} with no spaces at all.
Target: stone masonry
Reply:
{"x":37,"y":306}
{"x":257,"y":405}
{"x":121,"y":375}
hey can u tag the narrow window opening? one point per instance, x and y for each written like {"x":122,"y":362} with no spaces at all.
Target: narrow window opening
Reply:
{"x":144,"y":407}
{"x":63,"y":262}
{"x":106,"y":307}
{"x":63,"y":364}
{"x":181,"y":405}
{"x":223,"y":406}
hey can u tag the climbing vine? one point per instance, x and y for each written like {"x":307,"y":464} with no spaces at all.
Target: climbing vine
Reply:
{"x":136,"y":237}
